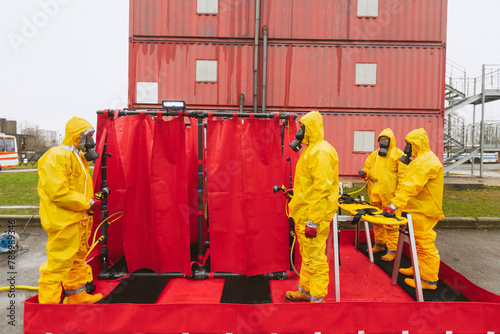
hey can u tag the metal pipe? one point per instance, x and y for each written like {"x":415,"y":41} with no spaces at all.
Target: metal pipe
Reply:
{"x":481,"y":141}
{"x":193,"y":113}
{"x":200,"y":189}
{"x":170,"y":275}
{"x":264,"y":69}
{"x":256,"y":55}
{"x":473,"y":136}
{"x":242,"y":102}
{"x":276,"y":275}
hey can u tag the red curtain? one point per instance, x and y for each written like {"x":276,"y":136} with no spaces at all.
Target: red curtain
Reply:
{"x":248,"y":227}
{"x":147,"y":176}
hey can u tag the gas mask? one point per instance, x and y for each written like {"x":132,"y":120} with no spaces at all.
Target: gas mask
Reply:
{"x":87,"y":145}
{"x":406,"y":159}
{"x":384,"y":146}
{"x":296,"y":143}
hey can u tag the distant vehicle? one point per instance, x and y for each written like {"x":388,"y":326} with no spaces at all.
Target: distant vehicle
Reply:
{"x":487,"y":158}
{"x":8,"y":151}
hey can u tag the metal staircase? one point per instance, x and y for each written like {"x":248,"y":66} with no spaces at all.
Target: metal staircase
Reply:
{"x":461,"y":91}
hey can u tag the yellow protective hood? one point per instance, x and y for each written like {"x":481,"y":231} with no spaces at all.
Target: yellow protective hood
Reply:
{"x":74,"y":129}
{"x":313,"y":122}
{"x":388,"y":133}
{"x":419,"y":142}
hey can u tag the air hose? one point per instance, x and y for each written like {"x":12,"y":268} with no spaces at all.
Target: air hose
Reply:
{"x":26,"y":287}
{"x":291,"y":253}
{"x":357,"y":191}
{"x":96,"y":242}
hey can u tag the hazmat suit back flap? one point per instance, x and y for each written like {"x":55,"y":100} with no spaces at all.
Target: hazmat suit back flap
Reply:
{"x":65,"y":185}
{"x":316,"y":178}
{"x":421,"y":191}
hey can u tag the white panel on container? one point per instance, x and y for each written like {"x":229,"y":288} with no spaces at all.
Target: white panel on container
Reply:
{"x":366,"y":74}
{"x":206,"y":70}
{"x":364,"y":141}
{"x":147,"y":92}
{"x":207,"y":6}
{"x":367,"y":8}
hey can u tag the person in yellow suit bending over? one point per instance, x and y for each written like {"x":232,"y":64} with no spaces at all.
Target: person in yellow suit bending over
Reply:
{"x":421,"y":194}
{"x":384,"y":171}
{"x":313,"y":206}
{"x":66,"y":195}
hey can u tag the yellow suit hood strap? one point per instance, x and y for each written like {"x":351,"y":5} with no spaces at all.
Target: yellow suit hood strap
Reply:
{"x":419,"y":142}
{"x":74,"y":129}
{"x":313,"y":122}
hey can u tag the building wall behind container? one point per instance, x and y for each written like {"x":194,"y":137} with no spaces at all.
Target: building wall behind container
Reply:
{"x":300,"y":76}
{"x":397,"y":20}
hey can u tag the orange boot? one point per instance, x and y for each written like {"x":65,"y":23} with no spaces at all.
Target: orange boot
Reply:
{"x":82,"y":298}
{"x":378,"y":248}
{"x":425,"y":285}
{"x":406,"y":271}
{"x":389,"y":256}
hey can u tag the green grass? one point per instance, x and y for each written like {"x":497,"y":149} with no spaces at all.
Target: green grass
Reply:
{"x":472,"y":203}
{"x":20,"y":189}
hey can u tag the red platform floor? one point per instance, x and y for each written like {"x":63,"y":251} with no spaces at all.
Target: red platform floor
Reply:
{"x":369,"y":303}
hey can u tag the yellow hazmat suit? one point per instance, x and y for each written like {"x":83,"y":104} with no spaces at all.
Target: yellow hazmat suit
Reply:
{"x":421,"y":194}
{"x":315,"y":199}
{"x":383,"y":175}
{"x":65,"y":189}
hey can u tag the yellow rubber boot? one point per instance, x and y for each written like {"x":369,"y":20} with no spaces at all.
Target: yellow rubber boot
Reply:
{"x":82,"y":298}
{"x":425,"y":286}
{"x":297,"y":296}
{"x":389,"y":256}
{"x":378,"y":248}
{"x":406,"y":271}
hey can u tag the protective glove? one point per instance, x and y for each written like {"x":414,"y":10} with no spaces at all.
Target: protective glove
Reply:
{"x":362,"y":174}
{"x":95,"y":205}
{"x":311,"y":230}
{"x":288,"y":193}
{"x":391,"y":208}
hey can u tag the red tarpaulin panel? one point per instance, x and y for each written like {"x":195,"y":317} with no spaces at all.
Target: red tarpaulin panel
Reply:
{"x":150,"y":157}
{"x":116,"y":182}
{"x":248,"y":227}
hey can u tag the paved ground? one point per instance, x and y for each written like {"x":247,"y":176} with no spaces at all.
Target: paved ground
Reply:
{"x":474,"y":253}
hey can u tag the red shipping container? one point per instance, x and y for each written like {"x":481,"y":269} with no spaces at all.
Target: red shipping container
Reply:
{"x":300,"y":77}
{"x":395,"y":20}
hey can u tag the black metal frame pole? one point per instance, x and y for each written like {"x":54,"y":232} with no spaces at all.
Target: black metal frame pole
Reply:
{"x":200,"y":189}
{"x":104,"y":213}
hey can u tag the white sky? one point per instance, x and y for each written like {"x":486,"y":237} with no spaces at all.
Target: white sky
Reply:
{"x":64,"y":58}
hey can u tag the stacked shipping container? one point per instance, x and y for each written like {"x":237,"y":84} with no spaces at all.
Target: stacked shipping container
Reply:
{"x":366,"y":64}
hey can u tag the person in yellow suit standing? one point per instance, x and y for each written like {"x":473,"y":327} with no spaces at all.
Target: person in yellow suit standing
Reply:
{"x":66,"y":196}
{"x":384,"y":171}
{"x":421,"y":194}
{"x":313,"y":205}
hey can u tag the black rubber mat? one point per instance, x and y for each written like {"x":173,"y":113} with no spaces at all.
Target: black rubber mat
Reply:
{"x":443,"y":293}
{"x":137,"y":289}
{"x":246,"y":290}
